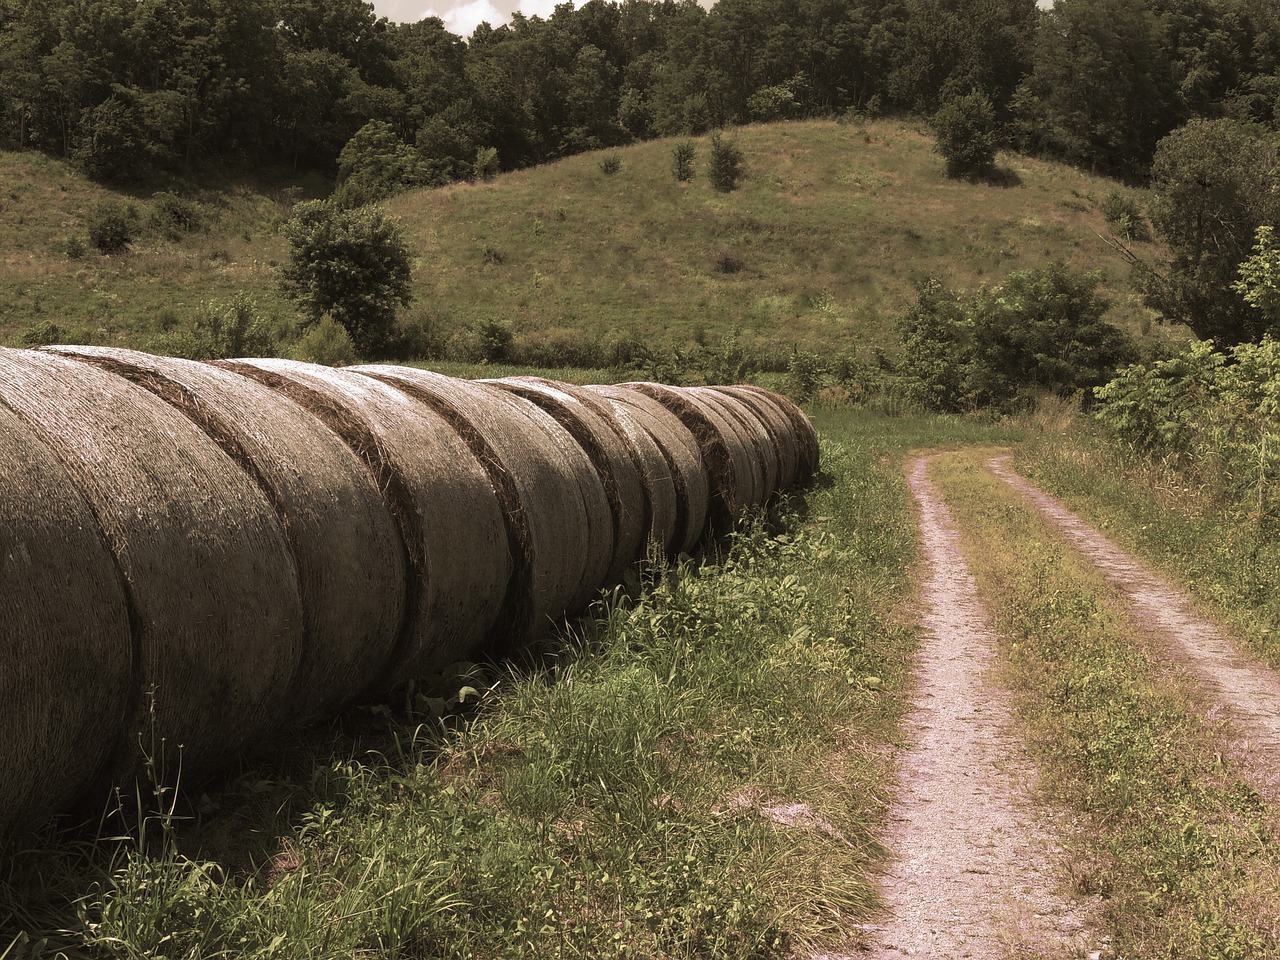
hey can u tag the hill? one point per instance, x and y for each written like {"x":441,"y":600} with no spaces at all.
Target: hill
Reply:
{"x":819,"y":248}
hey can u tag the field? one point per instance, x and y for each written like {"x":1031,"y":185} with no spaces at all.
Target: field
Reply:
{"x":819,"y":248}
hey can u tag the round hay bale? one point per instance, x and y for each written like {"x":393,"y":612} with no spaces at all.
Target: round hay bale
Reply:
{"x":348,"y":551}
{"x":590,"y":421}
{"x":677,"y":468}
{"x":778,"y":426}
{"x":755,"y":439}
{"x":66,"y":651}
{"x":806,"y":436}
{"x":211,"y":585}
{"x":725,"y":452}
{"x":548,"y":488}
{"x":453,"y":538}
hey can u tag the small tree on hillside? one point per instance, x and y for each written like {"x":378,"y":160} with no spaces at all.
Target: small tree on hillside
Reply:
{"x":725,"y":169}
{"x":350,"y":264}
{"x":966,"y":129}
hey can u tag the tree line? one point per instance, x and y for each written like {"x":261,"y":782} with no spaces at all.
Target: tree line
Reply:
{"x":129,"y":87}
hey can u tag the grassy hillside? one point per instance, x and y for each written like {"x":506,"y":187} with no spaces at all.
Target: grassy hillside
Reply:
{"x":819,"y":248}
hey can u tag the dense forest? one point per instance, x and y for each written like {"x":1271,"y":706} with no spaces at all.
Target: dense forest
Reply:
{"x":126,"y":87}
{"x":1181,"y":94}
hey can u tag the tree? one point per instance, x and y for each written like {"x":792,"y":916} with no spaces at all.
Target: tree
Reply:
{"x":374,"y":165}
{"x":967,"y":131}
{"x":1213,"y":183}
{"x":1259,"y":282}
{"x":725,"y":167}
{"x":350,"y":264}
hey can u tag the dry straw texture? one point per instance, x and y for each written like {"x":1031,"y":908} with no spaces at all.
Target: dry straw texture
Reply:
{"x":806,"y":436}
{"x":209,"y":578}
{"x":454,"y":541}
{"x":778,"y":426}
{"x":346,"y":547}
{"x":549,"y":489}
{"x":751,"y":441}
{"x":645,"y":418}
{"x":66,"y":653}
{"x":590,"y":421}
{"x":724,"y":453}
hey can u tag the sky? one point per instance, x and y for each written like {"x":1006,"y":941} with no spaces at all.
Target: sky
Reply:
{"x":461,"y":17}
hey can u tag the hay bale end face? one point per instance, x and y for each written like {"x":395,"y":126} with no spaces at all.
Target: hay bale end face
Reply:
{"x":550,"y":491}
{"x":645,"y":419}
{"x":66,"y":649}
{"x":347,"y":549}
{"x":453,"y":538}
{"x":209,"y":579}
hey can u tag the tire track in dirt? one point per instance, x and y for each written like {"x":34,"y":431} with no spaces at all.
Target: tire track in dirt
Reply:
{"x":1245,"y":691}
{"x":974,"y":874}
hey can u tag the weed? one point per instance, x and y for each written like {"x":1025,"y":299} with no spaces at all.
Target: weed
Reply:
{"x":683,"y":155}
{"x":610,"y":164}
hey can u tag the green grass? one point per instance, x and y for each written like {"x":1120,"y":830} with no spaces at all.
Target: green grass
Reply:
{"x":1178,"y":845}
{"x":1228,"y":561}
{"x":832,"y":226}
{"x":609,"y":796}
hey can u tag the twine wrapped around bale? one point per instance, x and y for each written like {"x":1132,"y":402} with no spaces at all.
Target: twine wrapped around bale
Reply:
{"x":725,"y":453}
{"x":779,"y":429}
{"x":649,"y":424}
{"x":451,"y":524}
{"x":347,"y":549}
{"x":211,"y":585}
{"x":549,"y":490}
{"x":66,"y":650}
{"x":590,"y":421}
{"x":806,"y":437}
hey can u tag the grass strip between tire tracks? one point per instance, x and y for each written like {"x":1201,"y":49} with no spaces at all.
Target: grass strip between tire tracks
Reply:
{"x":1180,"y":848}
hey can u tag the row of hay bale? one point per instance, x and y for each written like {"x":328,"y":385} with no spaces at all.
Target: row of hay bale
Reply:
{"x":197,"y":555}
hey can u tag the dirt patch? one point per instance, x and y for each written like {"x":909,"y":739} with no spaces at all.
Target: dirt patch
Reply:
{"x":977,"y":869}
{"x":1245,"y":691}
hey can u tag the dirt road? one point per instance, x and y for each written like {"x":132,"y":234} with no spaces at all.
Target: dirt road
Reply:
{"x":976,"y":871}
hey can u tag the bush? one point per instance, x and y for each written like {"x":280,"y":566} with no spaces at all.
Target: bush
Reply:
{"x":804,"y":376}
{"x":326,"y":341}
{"x":494,"y":339}
{"x":112,"y":226}
{"x":682,"y":157}
{"x":221,"y":330}
{"x":725,"y":169}
{"x":486,"y":165}
{"x":351,"y":264}
{"x":966,"y":129}
{"x":1124,"y":217}
{"x":610,"y":164}
{"x":375,"y":164}
{"x":172,"y":215}
{"x":726,"y":261}
{"x":1041,"y":330}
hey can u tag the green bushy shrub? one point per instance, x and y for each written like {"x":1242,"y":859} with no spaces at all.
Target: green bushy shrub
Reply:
{"x":112,"y":226}
{"x":610,"y":164}
{"x":1125,"y":218}
{"x":725,"y":167}
{"x":966,"y":129}
{"x":683,"y":155}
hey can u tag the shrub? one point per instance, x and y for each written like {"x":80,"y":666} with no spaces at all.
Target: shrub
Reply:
{"x":1124,"y":217}
{"x":74,"y":247}
{"x":494,"y":338}
{"x":682,"y":157}
{"x":486,"y":165}
{"x":966,"y":129}
{"x":351,"y":264}
{"x":326,"y":341}
{"x":112,"y":226}
{"x":804,"y":376}
{"x":222,"y":329}
{"x":725,"y":168}
{"x":172,"y":215}
{"x":610,"y":164}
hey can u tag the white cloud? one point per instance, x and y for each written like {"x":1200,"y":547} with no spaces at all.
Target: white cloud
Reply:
{"x":538,"y":8}
{"x":463,"y":18}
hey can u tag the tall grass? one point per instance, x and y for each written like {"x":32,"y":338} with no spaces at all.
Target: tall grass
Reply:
{"x":699,"y":768}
